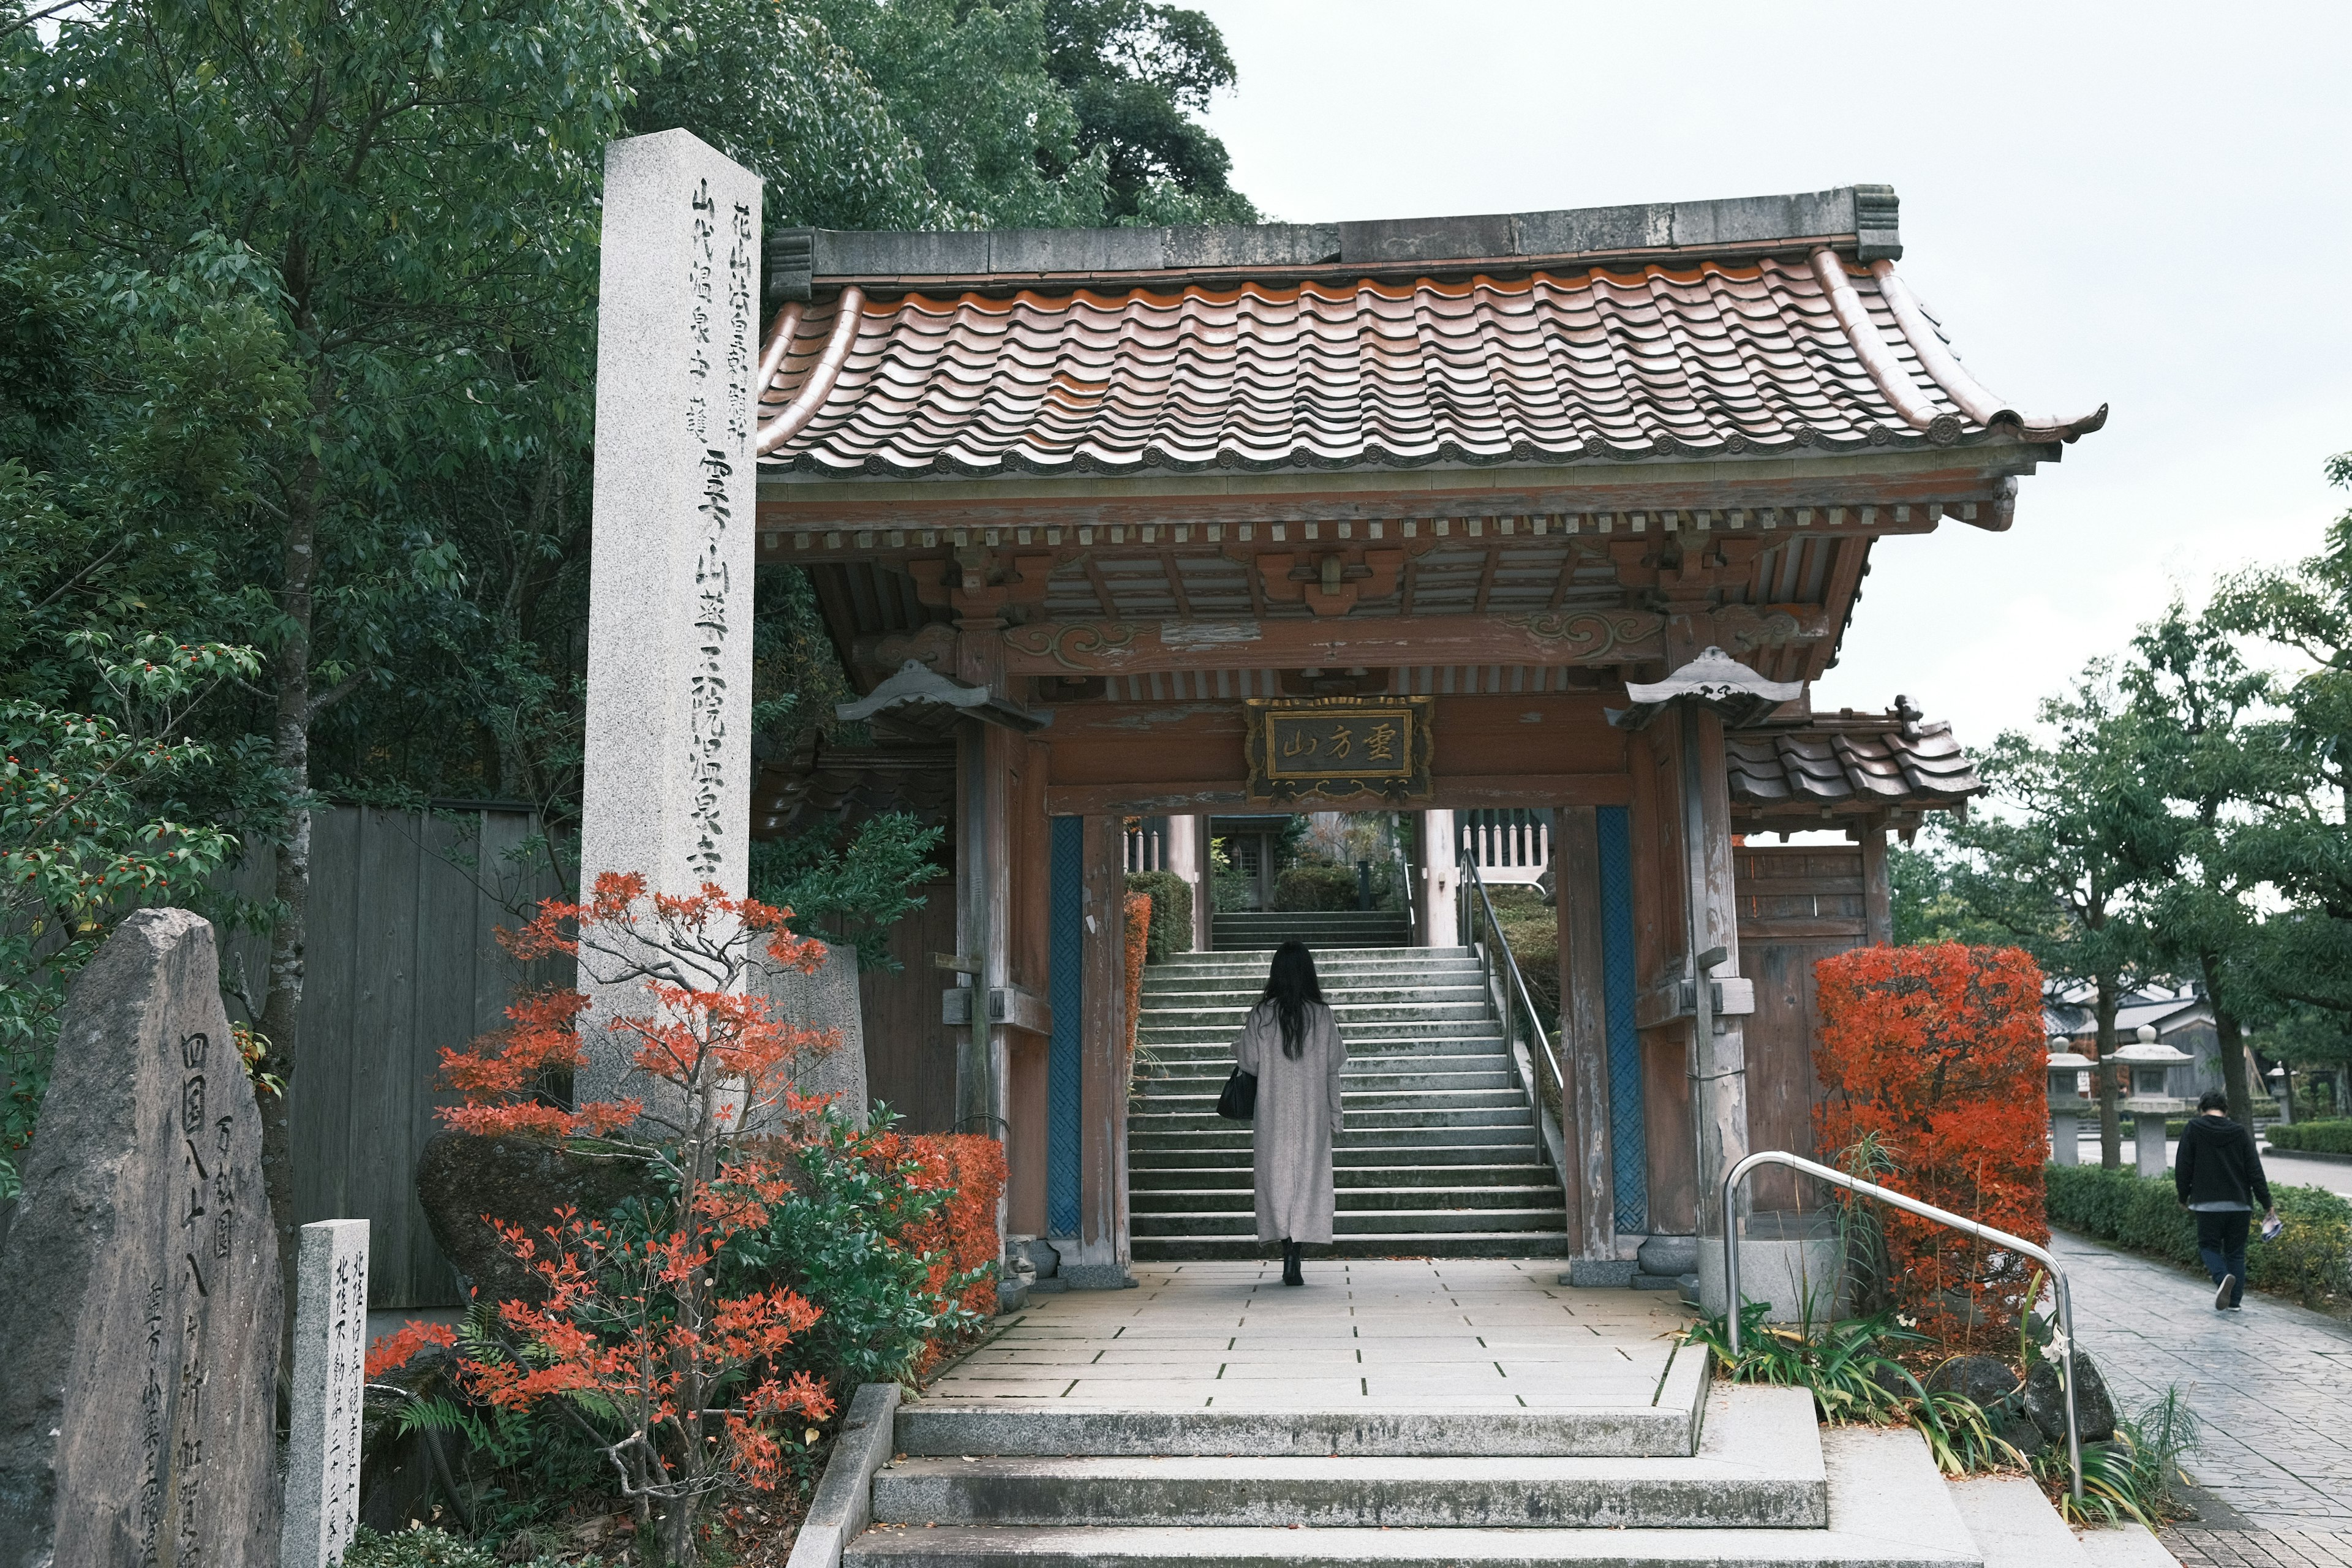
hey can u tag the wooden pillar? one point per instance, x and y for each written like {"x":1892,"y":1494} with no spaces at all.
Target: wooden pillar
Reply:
{"x":1877,"y":887}
{"x":986,"y":758}
{"x":1101,"y":1261}
{"x":1717,"y":1055}
{"x":1439,"y":873}
{"x":1583,"y":1033}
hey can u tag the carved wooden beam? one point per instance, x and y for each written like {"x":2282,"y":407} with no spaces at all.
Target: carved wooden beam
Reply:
{"x":1544,"y":638}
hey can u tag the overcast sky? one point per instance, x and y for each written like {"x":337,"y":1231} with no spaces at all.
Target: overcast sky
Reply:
{"x":2138,"y":205}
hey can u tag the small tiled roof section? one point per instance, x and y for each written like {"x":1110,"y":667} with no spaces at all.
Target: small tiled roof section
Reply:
{"x":1851,"y":762}
{"x":849,"y":785}
{"x":1507,"y":360}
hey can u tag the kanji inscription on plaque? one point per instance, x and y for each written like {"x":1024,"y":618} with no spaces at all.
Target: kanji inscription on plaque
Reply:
{"x":1339,"y":746}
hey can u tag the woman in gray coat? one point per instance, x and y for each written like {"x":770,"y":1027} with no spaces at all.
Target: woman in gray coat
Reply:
{"x":1291,"y":1041}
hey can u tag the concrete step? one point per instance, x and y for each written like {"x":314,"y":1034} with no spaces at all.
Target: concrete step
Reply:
{"x":1368,"y":1141}
{"x":1326,"y":958}
{"x":1401,"y":1033}
{"x":1251,"y":977}
{"x":1434,"y":1244}
{"x":1758,"y":1466}
{"x":1469,"y":1202}
{"x":1469,"y":1008}
{"x":1353,"y":1222}
{"x":1350,"y":1162}
{"x":1167,"y":1100}
{"x":1885,"y":1507}
{"x":1344,"y":1178}
{"x":1386,"y":1119}
{"x":1385,"y":1081}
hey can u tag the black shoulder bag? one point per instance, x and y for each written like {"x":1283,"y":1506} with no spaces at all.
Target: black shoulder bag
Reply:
{"x":1239,"y":1101}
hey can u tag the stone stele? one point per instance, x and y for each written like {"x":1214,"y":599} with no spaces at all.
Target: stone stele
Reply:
{"x":140,"y":1301}
{"x":323,"y":1448}
{"x":667,"y":774}
{"x":825,"y":1000}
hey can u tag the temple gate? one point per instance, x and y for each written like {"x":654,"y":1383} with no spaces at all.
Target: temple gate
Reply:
{"x":1108,"y":524}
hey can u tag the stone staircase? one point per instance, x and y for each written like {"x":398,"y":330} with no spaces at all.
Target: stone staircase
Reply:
{"x":1440,"y":1156}
{"x":1756,"y":1485}
{"x":1251,"y":930}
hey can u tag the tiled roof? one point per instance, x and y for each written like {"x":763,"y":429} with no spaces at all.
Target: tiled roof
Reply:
{"x":1869,"y":761}
{"x":849,"y":785}
{"x":1698,"y":359}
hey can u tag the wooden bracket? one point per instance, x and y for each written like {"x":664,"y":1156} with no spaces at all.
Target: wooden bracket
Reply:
{"x":1330,"y":582}
{"x":1670,"y":1000}
{"x":1014,"y":1006}
{"x":979,"y":585}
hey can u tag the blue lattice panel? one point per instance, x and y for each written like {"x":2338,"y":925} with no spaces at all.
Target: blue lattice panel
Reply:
{"x":1627,"y":1142}
{"x":1064,"y":1060}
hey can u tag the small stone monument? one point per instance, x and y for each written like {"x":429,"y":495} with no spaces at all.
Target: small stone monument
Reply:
{"x":138,"y":1295}
{"x":322,"y":1450}
{"x":825,"y":1000}
{"x":667,"y":774}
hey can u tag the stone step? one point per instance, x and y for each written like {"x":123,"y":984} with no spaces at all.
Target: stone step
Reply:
{"x":1884,"y":1507}
{"x":1384,"y":1118}
{"x":1181,"y":1074}
{"x":1397,"y":1159}
{"x":1167,"y":1101}
{"x":1436,"y":1178}
{"x":1239,"y":975}
{"x":1759,"y":1467}
{"x":1405,"y":992}
{"x":1324,"y":958}
{"x":1369,"y":1142}
{"x":1469,"y":1202}
{"x":1470,"y":1007}
{"x":1398,"y":1034}
{"x":1435,"y":1244}
{"x":1351,"y":1222}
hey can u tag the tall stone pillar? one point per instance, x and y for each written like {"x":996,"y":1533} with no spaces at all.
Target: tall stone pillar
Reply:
{"x":666,"y":785}
{"x":1186,"y":850}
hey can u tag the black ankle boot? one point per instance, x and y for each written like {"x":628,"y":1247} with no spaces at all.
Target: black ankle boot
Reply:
{"x":1290,"y":1275}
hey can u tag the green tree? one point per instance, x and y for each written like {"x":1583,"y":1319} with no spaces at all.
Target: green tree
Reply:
{"x":2223,"y":770}
{"x":1137,"y":75}
{"x":2300,"y":843}
{"x":2062,"y":860}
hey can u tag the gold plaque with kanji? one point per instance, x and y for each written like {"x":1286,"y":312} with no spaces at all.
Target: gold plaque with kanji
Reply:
{"x":1340,"y":747}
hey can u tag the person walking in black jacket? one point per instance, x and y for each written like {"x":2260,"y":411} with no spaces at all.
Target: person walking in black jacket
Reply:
{"x":2217,"y":1173}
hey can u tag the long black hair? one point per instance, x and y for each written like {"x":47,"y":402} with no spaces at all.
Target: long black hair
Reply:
{"x":1290,"y":984}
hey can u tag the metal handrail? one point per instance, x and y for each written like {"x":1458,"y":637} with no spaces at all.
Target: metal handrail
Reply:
{"x":1733,"y":1302}
{"x":1527,"y":1001}
{"x":1404,"y":882}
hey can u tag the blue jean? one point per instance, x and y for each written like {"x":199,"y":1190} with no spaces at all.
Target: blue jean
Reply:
{"x":2222,"y":1243}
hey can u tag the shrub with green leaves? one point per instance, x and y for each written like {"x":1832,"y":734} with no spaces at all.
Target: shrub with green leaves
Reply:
{"x":1172,"y":912}
{"x":2311,"y":1261}
{"x":1311,"y":885}
{"x":2317,"y":1137}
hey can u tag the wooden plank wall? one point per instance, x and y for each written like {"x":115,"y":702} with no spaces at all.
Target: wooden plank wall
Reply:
{"x":910,"y":1056}
{"x":1798,"y":904}
{"x":404,"y":961}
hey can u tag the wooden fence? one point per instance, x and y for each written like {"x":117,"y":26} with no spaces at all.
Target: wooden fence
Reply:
{"x":402,"y":961}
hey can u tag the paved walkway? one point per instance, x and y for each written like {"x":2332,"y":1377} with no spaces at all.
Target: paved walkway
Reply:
{"x":2272,"y":1385}
{"x":1378,"y":1334}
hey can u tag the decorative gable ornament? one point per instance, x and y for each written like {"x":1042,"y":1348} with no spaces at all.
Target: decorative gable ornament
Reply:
{"x":924,"y":692}
{"x":1714,"y":679}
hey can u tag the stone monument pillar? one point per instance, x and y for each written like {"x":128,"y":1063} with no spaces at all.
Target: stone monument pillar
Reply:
{"x":140,"y":1301}
{"x":323,"y":1450}
{"x":665,"y":785}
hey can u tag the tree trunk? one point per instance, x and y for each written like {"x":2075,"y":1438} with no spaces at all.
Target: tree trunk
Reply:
{"x":281,"y":1014}
{"x":2111,"y":1131}
{"x":2232,"y":1046}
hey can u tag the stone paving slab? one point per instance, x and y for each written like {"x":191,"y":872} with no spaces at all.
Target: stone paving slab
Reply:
{"x":1429,"y":1334}
{"x":2272,"y":1385}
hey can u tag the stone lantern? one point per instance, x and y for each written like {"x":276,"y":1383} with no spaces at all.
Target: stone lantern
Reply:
{"x":2067,"y":1070}
{"x":2146,"y":1062}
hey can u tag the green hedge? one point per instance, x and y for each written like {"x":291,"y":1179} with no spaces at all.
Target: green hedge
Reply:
{"x":1172,"y":912}
{"x":1313,"y":885}
{"x":2323,"y":1137}
{"x":2311,"y":1261}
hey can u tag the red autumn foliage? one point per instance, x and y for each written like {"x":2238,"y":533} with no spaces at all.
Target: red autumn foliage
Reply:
{"x":1138,"y":932}
{"x":1938,"y":1053}
{"x":971,"y":1168}
{"x":705,"y":1036}
{"x":397,"y":1350}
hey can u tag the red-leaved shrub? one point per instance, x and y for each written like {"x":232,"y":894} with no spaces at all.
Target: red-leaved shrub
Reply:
{"x":1937,"y":1053}
{"x":1139,"y":935}
{"x":970,"y":1167}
